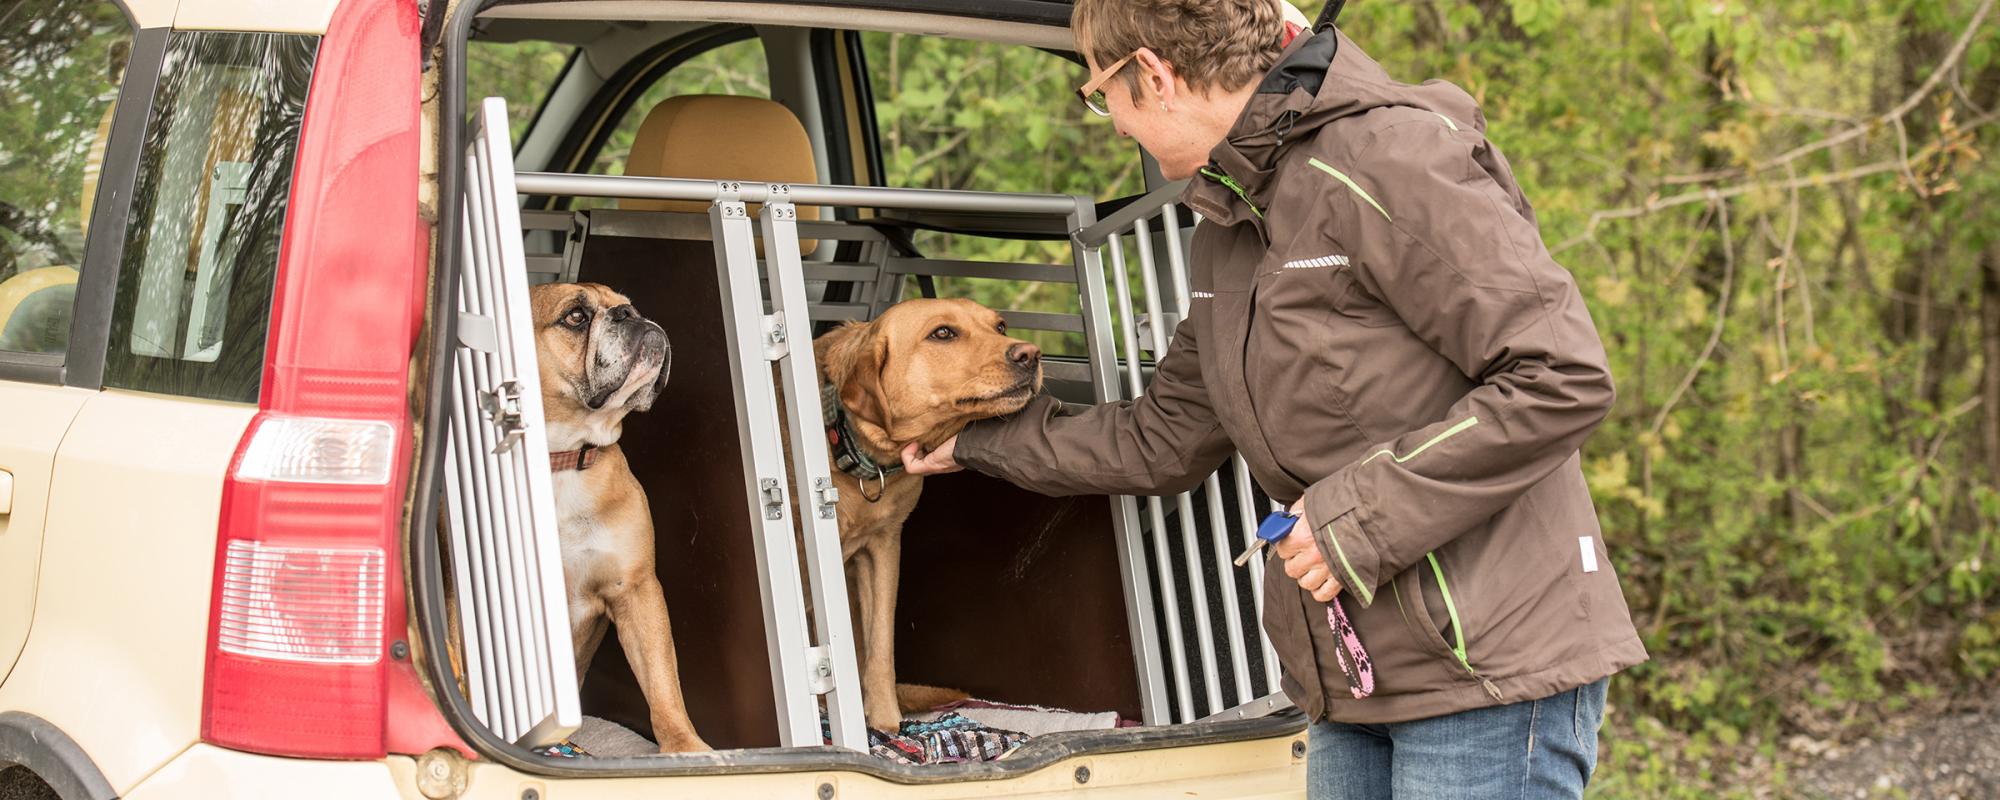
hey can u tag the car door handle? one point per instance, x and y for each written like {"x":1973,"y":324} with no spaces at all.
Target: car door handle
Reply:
{"x":6,"y":493}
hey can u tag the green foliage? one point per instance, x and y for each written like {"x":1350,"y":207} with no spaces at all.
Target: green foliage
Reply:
{"x":60,"y":62}
{"x":521,"y":72}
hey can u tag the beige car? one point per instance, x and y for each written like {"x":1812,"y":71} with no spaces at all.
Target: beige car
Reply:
{"x":240,"y":249}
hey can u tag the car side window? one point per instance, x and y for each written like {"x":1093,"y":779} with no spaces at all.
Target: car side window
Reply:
{"x":60,"y":65}
{"x":200,"y":259}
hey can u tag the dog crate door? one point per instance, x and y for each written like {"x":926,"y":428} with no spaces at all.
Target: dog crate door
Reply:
{"x":512,"y":615}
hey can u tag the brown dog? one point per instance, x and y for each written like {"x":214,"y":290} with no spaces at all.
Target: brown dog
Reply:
{"x":599,"y":361}
{"x":918,"y":373}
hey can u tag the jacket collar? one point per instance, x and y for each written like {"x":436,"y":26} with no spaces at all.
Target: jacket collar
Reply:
{"x":1236,"y":184}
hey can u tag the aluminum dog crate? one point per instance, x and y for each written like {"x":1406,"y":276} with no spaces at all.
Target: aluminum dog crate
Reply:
{"x":1197,"y":647}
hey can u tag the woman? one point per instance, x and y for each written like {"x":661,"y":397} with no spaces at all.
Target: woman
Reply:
{"x":1378,"y":328}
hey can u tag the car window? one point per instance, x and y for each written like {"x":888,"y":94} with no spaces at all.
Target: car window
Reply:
{"x":195,"y":282}
{"x":60,"y":65}
{"x":960,"y":114}
{"x":522,"y":72}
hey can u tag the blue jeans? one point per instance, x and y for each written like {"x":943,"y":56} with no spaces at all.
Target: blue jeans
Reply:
{"x":1532,"y":749}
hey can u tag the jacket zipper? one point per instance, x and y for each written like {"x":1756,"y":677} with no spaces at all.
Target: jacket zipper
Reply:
{"x":1223,"y":178}
{"x":1458,"y":630}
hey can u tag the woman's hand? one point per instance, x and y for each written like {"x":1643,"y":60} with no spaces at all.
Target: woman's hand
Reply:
{"x":935,"y":462}
{"x":1302,"y":559}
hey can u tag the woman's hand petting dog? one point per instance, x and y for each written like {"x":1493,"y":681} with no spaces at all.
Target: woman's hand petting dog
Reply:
{"x":935,"y":462}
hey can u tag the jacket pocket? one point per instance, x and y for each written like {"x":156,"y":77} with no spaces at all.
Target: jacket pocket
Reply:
{"x":1438,"y":618}
{"x":1286,"y":627}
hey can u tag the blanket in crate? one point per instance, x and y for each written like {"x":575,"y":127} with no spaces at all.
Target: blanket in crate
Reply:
{"x":950,"y":739}
{"x":957,"y":732}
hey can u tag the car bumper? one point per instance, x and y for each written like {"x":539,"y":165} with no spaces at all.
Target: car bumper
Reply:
{"x":1263,"y":769}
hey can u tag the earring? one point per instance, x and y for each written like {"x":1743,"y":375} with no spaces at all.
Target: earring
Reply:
{"x":1163,"y":105}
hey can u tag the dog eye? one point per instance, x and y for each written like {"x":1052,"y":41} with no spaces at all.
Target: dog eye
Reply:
{"x":944,"y":333}
{"x":1002,"y":327}
{"x":576,"y":318}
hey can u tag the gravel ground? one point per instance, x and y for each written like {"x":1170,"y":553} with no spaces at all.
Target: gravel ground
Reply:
{"x":1955,"y":756}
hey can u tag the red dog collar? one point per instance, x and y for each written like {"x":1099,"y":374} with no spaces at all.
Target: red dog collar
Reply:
{"x":579,"y":459}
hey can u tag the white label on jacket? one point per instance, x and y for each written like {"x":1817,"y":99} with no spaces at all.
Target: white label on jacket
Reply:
{"x":1202,"y":295}
{"x":1589,"y":554}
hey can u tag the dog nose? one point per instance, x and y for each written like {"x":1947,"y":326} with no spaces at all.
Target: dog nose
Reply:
{"x":1024,"y":355}
{"x":622,"y":313}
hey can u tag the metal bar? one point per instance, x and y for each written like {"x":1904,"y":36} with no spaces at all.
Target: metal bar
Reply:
{"x":689,"y":226}
{"x":1246,"y":514}
{"x":813,"y":494}
{"x":1096,"y":235}
{"x":1072,"y":371}
{"x":1184,"y":504}
{"x":1102,"y":371}
{"x":838,"y":271}
{"x":1225,"y":565}
{"x":1264,"y":706}
{"x":801,"y":193}
{"x":1156,"y":513}
{"x":1043,"y":321}
{"x":982,"y":269}
{"x":1170,"y":227}
{"x":839,"y":312}
{"x":763,"y":458}
{"x":547,"y":220}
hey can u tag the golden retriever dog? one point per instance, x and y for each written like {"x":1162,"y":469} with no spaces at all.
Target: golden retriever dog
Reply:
{"x":920,"y":372}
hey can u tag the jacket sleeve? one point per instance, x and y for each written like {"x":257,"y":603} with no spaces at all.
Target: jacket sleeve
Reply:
{"x":1453,"y":249}
{"x":1165,"y":442}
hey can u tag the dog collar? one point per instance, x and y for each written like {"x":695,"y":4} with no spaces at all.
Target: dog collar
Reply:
{"x":579,"y":459}
{"x":845,"y":444}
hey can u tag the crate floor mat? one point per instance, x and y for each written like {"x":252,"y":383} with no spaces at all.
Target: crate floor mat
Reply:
{"x":958,"y":732}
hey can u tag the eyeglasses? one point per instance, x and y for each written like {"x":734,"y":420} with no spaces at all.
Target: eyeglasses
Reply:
{"x":1092,"y":96}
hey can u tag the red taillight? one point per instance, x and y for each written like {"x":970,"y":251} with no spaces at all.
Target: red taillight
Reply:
{"x":295,"y":665}
{"x":309,"y":591}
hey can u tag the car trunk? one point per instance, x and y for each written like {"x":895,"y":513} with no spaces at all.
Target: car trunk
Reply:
{"x":1080,"y":603}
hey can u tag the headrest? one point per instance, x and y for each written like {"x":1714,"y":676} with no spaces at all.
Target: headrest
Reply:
{"x":721,"y":137}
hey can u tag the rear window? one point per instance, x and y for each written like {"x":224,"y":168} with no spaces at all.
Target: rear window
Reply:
{"x":194,"y":284}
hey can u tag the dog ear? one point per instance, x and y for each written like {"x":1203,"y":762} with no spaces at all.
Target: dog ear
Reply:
{"x":853,"y":356}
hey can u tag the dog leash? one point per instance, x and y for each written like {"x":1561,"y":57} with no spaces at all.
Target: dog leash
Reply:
{"x":1353,"y":659}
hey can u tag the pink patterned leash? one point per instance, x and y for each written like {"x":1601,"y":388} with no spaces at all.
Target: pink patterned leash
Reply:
{"x":1353,"y":658}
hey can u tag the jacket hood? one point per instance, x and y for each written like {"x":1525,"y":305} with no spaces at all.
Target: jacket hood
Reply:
{"x":1318,"y":80}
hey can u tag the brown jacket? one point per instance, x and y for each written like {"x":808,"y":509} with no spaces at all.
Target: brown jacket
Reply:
{"x":1377,"y":326}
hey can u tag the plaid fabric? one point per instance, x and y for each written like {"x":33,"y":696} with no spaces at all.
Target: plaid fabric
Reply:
{"x":952,"y":739}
